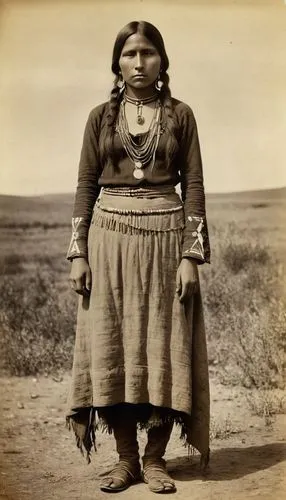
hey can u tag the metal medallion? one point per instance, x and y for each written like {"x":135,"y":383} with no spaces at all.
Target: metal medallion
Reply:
{"x":138,"y":174}
{"x":140,"y":120}
{"x":138,"y":164}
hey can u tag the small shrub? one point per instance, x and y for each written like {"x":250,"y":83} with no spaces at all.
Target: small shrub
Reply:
{"x":267,"y":404}
{"x":257,"y":355}
{"x":240,"y":256}
{"x":37,"y":328}
{"x":260,"y":205}
{"x":11,"y":264}
{"x":222,"y":429}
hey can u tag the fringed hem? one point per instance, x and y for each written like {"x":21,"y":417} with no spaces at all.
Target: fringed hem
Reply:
{"x":86,"y":421}
{"x":82,"y":424}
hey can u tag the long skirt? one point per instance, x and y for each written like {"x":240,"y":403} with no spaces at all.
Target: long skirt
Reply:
{"x":136,"y":343}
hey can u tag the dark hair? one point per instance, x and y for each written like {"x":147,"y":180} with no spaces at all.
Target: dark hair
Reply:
{"x":154,"y":36}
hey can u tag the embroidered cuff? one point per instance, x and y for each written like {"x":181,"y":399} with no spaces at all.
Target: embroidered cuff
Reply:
{"x":195,"y":228}
{"x":77,"y":247}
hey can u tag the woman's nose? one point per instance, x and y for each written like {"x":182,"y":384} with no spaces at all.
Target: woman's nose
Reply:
{"x":138,"y":61}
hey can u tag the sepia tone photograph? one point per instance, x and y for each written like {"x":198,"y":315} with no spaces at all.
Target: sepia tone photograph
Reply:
{"x":143,"y":249}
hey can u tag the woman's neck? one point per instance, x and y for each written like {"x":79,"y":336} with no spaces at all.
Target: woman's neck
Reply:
{"x":140,"y":93}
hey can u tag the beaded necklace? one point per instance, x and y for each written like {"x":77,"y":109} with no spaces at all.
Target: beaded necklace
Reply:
{"x":139,"y":103}
{"x":140,"y":154}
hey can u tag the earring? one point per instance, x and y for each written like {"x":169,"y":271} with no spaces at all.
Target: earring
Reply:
{"x":159,"y":83}
{"x":120,"y":83}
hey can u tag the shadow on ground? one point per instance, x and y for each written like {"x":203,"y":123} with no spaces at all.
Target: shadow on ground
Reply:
{"x":229,"y":463}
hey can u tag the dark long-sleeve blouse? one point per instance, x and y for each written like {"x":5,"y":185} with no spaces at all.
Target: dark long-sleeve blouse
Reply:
{"x":185,"y":168}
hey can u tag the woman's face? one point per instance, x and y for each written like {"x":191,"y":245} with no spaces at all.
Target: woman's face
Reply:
{"x":139,"y":62}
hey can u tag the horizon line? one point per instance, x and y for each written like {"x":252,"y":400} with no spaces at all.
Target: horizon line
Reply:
{"x":63,"y":193}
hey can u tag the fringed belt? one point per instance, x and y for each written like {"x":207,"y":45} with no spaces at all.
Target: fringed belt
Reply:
{"x":161,"y":211}
{"x":134,"y":223}
{"x":133,"y":215}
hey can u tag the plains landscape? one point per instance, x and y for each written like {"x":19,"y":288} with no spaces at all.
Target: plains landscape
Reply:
{"x":245,"y":312}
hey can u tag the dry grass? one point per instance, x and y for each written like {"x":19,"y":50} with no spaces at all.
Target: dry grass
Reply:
{"x":37,"y":325}
{"x":246,"y":313}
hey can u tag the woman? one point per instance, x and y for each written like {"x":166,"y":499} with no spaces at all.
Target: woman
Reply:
{"x":140,"y":353}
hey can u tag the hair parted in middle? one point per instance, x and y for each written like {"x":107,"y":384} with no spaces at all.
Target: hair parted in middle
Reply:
{"x":154,"y":36}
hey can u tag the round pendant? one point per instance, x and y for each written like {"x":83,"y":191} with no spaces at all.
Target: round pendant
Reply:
{"x":138,"y":174}
{"x":140,"y":120}
{"x":138,"y":164}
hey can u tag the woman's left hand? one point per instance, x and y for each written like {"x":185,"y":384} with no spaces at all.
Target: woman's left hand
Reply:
{"x":187,"y":281}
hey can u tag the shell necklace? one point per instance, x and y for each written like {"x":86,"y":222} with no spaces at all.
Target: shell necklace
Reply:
{"x":140,"y":154}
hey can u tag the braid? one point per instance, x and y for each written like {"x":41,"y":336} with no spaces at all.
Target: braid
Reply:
{"x":106,"y":144}
{"x":169,"y":124}
{"x":114,"y":102}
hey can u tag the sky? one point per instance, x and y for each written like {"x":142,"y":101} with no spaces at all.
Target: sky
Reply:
{"x":227,"y":61}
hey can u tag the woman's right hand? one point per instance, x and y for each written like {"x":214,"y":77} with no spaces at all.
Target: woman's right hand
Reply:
{"x":80,"y":276}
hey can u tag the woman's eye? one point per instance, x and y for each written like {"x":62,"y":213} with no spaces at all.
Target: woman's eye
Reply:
{"x":129,"y":54}
{"x":148,"y":52}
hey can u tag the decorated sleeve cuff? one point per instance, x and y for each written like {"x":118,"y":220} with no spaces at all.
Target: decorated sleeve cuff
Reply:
{"x":196,"y":244}
{"x":78,"y":245}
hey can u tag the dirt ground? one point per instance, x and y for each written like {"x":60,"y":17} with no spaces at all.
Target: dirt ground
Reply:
{"x":39,"y":459}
